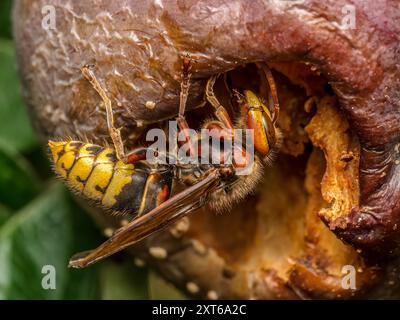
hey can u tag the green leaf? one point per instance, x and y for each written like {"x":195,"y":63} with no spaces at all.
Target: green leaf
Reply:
{"x":15,"y":128}
{"x":46,"y":233}
{"x":18,"y":183}
{"x":161,"y":290}
{"x":5,"y":18}
{"x":123,"y":281}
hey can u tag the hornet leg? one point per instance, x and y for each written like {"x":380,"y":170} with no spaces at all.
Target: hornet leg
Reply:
{"x":272,"y":86}
{"x":114,"y":132}
{"x":185,"y":84}
{"x":220,"y":111}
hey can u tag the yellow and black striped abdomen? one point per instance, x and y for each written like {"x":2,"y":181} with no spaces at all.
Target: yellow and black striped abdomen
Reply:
{"x":95,"y":172}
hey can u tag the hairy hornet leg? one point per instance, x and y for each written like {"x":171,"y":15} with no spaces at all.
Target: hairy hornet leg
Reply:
{"x":114,"y":132}
{"x":185,"y":85}
{"x":220,"y":111}
{"x":272,"y":86}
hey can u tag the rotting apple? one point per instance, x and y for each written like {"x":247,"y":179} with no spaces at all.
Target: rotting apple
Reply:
{"x":340,"y":160}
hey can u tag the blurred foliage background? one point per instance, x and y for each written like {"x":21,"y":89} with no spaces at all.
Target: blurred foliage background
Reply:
{"x":40,"y":224}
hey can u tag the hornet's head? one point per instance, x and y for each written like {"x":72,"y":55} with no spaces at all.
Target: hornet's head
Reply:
{"x":258,"y":118}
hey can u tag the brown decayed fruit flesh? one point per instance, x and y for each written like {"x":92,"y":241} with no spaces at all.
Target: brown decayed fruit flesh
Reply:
{"x":338,"y":170}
